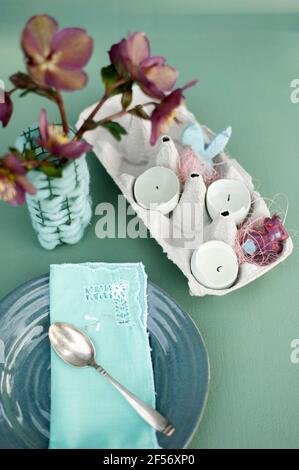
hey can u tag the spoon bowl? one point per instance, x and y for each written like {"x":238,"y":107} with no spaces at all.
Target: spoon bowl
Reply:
{"x":72,"y":345}
{"x":77,"y":349}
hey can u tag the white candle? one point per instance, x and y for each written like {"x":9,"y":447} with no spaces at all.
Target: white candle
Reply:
{"x":215,"y":265}
{"x":227,"y":195}
{"x":158,"y":188}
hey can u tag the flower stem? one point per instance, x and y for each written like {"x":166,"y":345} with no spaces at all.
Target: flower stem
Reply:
{"x":123,"y":112}
{"x":114,"y":116}
{"x":83,"y":129}
{"x":10,"y":92}
{"x":61,"y":107}
{"x":104,"y":98}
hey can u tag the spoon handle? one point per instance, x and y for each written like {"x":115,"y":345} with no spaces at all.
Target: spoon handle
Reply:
{"x":149,"y":414}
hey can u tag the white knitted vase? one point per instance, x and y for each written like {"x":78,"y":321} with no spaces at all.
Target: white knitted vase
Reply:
{"x":61,"y":209}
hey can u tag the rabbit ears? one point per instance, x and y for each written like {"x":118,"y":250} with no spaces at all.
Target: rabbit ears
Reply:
{"x":194,"y":137}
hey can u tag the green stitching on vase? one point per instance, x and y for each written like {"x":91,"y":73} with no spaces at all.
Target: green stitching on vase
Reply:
{"x":68,"y":211}
{"x":52,"y":208}
{"x":59,"y":239}
{"x":76,"y":174}
{"x":31,"y":140}
{"x":41,"y":214}
{"x":50,"y":187}
{"x":28,"y":139}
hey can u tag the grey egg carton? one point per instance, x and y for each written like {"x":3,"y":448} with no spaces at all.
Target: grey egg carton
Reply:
{"x":127,"y":159}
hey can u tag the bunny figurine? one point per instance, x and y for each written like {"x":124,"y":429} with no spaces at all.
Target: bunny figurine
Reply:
{"x":264,"y":243}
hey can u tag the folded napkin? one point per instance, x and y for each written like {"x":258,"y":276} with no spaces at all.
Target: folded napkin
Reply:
{"x":108,"y":302}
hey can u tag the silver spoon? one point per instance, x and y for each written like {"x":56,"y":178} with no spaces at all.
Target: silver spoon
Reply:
{"x":77,"y":349}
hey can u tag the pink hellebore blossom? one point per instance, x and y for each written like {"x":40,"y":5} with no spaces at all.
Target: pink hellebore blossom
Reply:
{"x":6,"y":110}
{"x":53,"y":139}
{"x":132,"y":60}
{"x":56,"y":58}
{"x":165,"y":112}
{"x":13,"y":182}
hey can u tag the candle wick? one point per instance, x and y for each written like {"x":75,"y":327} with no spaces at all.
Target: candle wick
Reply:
{"x":228,"y":199}
{"x":225,"y":213}
{"x":157,"y":187}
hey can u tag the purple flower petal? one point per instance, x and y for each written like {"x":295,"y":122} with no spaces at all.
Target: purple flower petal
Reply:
{"x":6,"y":110}
{"x":38,"y":74}
{"x":73,"y":47}
{"x":71,"y":150}
{"x":131,"y":58}
{"x":150,"y":88}
{"x":25,"y":184}
{"x":53,"y":141}
{"x":138,"y":48}
{"x":117,"y":56}
{"x":43,"y":127}
{"x":189,"y":84}
{"x":19,"y":198}
{"x":65,"y":79}
{"x":37,"y":37}
{"x":127,"y":55}
{"x":13,"y":163}
{"x":163,"y":76}
{"x":55,"y":59}
{"x":153,"y":61}
{"x":163,"y":112}
{"x":13,"y":181}
{"x":11,"y":192}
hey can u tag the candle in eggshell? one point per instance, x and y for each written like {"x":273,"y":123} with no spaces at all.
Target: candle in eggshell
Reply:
{"x":215,"y":265}
{"x":158,"y":188}
{"x":228,"y":196}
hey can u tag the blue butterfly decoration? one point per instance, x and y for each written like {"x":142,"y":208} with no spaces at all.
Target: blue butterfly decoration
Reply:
{"x":194,"y":137}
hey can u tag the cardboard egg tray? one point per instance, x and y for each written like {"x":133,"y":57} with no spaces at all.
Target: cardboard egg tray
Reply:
{"x":130,"y":157}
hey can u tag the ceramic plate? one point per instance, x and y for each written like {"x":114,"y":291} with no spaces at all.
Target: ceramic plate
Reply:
{"x":180,"y":362}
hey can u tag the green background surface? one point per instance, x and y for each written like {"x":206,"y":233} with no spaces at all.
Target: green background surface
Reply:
{"x":245,"y":55}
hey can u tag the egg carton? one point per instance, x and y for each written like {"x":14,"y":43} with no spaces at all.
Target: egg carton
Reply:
{"x":127,"y":159}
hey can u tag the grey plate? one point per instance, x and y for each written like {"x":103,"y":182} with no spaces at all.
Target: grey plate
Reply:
{"x":180,"y":362}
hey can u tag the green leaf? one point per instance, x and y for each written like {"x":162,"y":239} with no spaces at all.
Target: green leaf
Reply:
{"x":51,"y":170}
{"x":139,"y":112}
{"x":16,"y":152}
{"x":109,"y":76}
{"x":115,"y":129}
{"x":24,"y":82}
{"x":26,"y":156}
{"x":29,"y":154}
{"x":126,"y":98}
{"x":49,"y":94}
{"x":24,"y":93}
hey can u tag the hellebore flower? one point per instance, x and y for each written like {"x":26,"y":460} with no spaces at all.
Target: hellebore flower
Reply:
{"x":6,"y":110}
{"x":56,"y":58}
{"x":13,"y":182}
{"x":131,"y":59}
{"x":54,"y":140}
{"x":165,"y":112}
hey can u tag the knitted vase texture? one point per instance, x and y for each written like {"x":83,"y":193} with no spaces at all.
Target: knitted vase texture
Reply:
{"x":61,"y":209}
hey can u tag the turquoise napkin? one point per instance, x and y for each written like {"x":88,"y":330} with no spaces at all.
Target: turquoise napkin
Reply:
{"x":108,"y":302}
